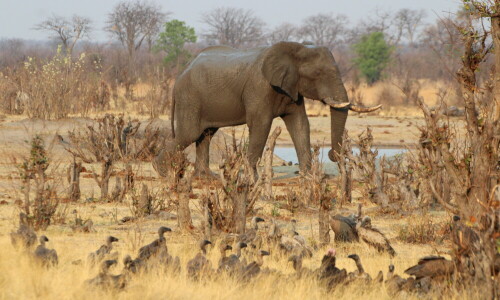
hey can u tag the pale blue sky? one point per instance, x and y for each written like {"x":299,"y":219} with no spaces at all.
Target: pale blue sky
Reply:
{"x":17,"y":17}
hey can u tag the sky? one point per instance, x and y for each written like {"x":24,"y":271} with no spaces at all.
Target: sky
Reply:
{"x":18,"y":17}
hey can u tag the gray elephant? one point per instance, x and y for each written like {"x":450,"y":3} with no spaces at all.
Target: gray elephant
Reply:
{"x":226,"y":87}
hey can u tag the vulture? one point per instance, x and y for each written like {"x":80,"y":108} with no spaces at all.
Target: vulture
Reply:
{"x":43,"y":256}
{"x":132,"y":265}
{"x":464,"y":238}
{"x":253,"y":268}
{"x":156,"y":247}
{"x":344,"y":228}
{"x":274,"y":233}
{"x":25,"y":236}
{"x":431,"y":266}
{"x":301,"y":271}
{"x":294,"y":244}
{"x":360,"y":272}
{"x":232,"y":264}
{"x":328,"y":273}
{"x":199,"y":265}
{"x":250,"y":236}
{"x":374,"y":237}
{"x":105,"y":280}
{"x":394,"y":284}
{"x":100,"y":254}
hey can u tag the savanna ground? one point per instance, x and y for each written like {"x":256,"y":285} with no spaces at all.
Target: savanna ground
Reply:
{"x":394,"y":127}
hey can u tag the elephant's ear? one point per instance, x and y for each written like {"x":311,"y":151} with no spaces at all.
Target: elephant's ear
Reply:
{"x":280,"y":68}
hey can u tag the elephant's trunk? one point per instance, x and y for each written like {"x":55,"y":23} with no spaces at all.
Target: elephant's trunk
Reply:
{"x":338,"y":119}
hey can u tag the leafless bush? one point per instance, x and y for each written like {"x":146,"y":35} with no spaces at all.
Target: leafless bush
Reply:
{"x":365,"y":165}
{"x":55,"y":88}
{"x":106,"y":141}
{"x":146,"y":201}
{"x":471,"y":164}
{"x":229,"y":205}
{"x":179,"y":180}
{"x":320,"y":193}
{"x":344,"y":192}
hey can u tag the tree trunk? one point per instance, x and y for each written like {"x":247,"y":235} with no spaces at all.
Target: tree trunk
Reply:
{"x":239,"y":209}
{"x":74,"y":170}
{"x":495,"y":34}
{"x":183,"y":212}
{"x":27,"y":187}
{"x":105,"y":175}
{"x":324,"y":221}
{"x":144,"y":205}
{"x":268,"y":164}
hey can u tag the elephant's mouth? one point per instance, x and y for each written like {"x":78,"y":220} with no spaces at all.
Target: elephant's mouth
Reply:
{"x":348,"y":105}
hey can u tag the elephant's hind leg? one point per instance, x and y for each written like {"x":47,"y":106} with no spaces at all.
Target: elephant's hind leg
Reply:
{"x":202,"y":165}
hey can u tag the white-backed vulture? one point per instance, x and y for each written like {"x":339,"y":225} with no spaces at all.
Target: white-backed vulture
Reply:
{"x":43,"y":256}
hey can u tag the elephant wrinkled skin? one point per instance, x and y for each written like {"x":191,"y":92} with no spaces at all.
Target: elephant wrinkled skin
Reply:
{"x":227,"y":87}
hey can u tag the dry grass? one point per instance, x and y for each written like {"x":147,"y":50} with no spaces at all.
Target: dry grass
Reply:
{"x":19,"y":279}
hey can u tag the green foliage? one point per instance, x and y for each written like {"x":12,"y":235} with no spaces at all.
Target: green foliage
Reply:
{"x":373,"y":55}
{"x":38,"y":160}
{"x":172,"y":40}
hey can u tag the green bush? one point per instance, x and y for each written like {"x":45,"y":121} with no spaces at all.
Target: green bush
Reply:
{"x":373,"y":55}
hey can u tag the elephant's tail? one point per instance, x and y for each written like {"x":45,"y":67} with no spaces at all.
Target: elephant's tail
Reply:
{"x":172,"y":115}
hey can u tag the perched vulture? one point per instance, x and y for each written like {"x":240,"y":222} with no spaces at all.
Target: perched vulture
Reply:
{"x":374,"y":237}
{"x":360,"y":272}
{"x":43,"y":256}
{"x":25,"y":236}
{"x":253,"y":268}
{"x":328,"y":273}
{"x":105,"y":280}
{"x":199,"y":265}
{"x":250,"y":236}
{"x":431,"y":266}
{"x":157,"y":246}
{"x":232,"y":264}
{"x":464,"y":238}
{"x":100,"y":254}
{"x":344,"y":228}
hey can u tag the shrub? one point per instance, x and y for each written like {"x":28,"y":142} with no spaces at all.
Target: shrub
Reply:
{"x":373,"y":54}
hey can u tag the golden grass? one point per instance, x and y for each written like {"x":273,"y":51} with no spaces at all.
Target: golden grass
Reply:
{"x":19,"y":279}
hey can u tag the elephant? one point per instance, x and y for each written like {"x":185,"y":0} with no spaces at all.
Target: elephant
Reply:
{"x":224,"y":87}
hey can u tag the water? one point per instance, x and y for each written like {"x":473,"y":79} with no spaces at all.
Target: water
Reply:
{"x":289,"y":154}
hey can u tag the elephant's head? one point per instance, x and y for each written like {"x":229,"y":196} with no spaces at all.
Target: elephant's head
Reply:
{"x":299,"y":70}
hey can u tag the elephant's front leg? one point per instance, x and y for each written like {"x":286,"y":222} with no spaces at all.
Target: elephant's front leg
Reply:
{"x":259,"y":128}
{"x":297,"y":125}
{"x":202,"y":164}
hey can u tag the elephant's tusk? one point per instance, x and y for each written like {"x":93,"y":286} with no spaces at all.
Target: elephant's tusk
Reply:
{"x":334,"y":104}
{"x":362,"y":109}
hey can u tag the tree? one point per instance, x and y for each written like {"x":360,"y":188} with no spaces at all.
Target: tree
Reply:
{"x":67,"y":31}
{"x":324,"y":29}
{"x":133,"y":22}
{"x":172,"y":40}
{"x":373,"y":54}
{"x":408,"y":21}
{"x":284,"y":32}
{"x":235,"y":27}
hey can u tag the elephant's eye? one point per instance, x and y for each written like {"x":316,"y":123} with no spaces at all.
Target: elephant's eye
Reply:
{"x":317,"y":73}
